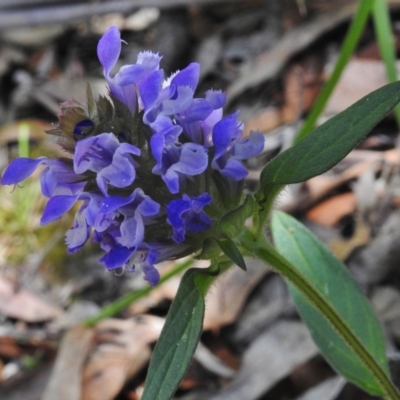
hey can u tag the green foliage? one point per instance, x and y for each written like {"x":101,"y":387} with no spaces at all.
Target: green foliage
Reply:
{"x":332,"y":141}
{"x":331,"y":280}
{"x":350,"y":42}
{"x":181,"y":333}
{"x":232,"y":223}
{"x":383,"y":29}
{"x":230,"y":249}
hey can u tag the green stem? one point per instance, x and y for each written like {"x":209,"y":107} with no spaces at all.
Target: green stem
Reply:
{"x":352,"y":37}
{"x":383,"y":30}
{"x":23,"y":140}
{"x":265,"y":198}
{"x":263,"y":250}
{"x":129,"y":298}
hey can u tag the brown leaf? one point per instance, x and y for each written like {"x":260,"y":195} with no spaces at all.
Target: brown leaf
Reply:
{"x":269,"y":359}
{"x":223,"y":304}
{"x":9,"y":348}
{"x":342,"y":248}
{"x":358,"y":161}
{"x":331,"y":211}
{"x":122,"y":350}
{"x":66,"y":378}
{"x":23,"y":305}
{"x":359,"y":78}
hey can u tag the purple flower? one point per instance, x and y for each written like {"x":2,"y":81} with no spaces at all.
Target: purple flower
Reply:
{"x":110,"y":159}
{"x":125,"y":83}
{"x":230,"y":149}
{"x":175,"y":162}
{"x":134,"y":210}
{"x":152,"y":166}
{"x":57,"y":178}
{"x":187,"y":214}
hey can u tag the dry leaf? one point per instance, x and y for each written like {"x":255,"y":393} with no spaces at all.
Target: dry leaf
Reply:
{"x":360,"y":161}
{"x":122,"y":350}
{"x":66,"y":378}
{"x":331,"y":211}
{"x":270,"y":358}
{"x":226,"y":298}
{"x":359,"y":78}
{"x":23,"y":305}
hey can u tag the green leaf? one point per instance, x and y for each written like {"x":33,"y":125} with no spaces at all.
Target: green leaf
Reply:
{"x":230,"y":249}
{"x":232,"y":223}
{"x":181,"y":333}
{"x":330,"y":142}
{"x":334,"y":283}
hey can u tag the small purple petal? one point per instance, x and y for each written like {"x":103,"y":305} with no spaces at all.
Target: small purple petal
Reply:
{"x":95,"y":153}
{"x":82,"y":126}
{"x":249,"y":147}
{"x":193,"y":160}
{"x":56,"y":207}
{"x":151,"y":274}
{"x":169,"y":132}
{"x":145,"y":260}
{"x":59,"y":178}
{"x":121,"y":173}
{"x":181,"y":102}
{"x":149,"y":60}
{"x":208,"y":124}
{"x":20,"y":169}
{"x":79,"y":233}
{"x":187,"y":214}
{"x":149,"y":89}
{"x":129,"y":74}
{"x":144,"y":204}
{"x":109,"y":49}
{"x":216,"y":98}
{"x":117,"y":257}
{"x":234,"y":169}
{"x":132,"y":231}
{"x":187,"y":77}
{"x":148,"y":207}
{"x":224,"y":132}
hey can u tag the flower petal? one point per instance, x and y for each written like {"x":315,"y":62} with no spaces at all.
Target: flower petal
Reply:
{"x":249,"y":147}
{"x":193,"y":160}
{"x":109,"y":49}
{"x":180,"y":102}
{"x":149,"y":89}
{"x":56,"y":207}
{"x":216,"y":98}
{"x":79,"y":233}
{"x":149,"y":60}
{"x":132,"y":231}
{"x":187,"y":77}
{"x":117,"y":257}
{"x":234,"y":169}
{"x":129,"y":74}
{"x":187,"y":214}
{"x":121,"y":172}
{"x":20,"y":169}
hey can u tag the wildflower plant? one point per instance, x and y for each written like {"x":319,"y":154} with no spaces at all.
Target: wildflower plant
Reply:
{"x":156,"y":173}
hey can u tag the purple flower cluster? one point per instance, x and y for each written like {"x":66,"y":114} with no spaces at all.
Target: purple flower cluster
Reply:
{"x":153,"y":167}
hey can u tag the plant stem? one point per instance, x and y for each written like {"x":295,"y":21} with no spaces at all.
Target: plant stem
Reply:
{"x":383,"y":30}
{"x":129,"y":298}
{"x":266,"y":197}
{"x":263,"y":250}
{"x":352,"y":37}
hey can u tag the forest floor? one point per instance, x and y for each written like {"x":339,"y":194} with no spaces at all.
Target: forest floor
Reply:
{"x":271,"y":57}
